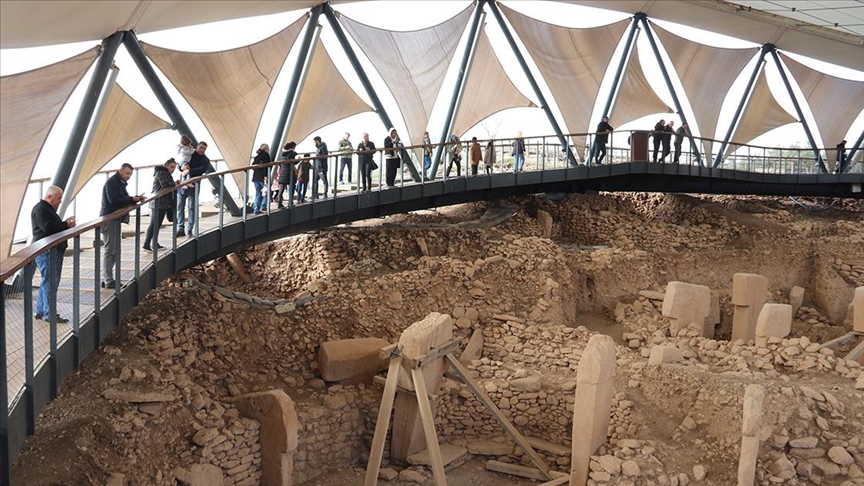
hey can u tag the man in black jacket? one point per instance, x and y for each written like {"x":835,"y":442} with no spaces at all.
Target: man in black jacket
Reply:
{"x":658,"y":136}
{"x":668,"y":130}
{"x":320,"y":167}
{"x":46,"y":222}
{"x":679,"y":139}
{"x":603,"y":131}
{"x":114,"y":197}
{"x":198,"y":165}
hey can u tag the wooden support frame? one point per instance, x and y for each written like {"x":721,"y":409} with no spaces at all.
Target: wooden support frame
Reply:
{"x":857,"y":352}
{"x":445,"y":351}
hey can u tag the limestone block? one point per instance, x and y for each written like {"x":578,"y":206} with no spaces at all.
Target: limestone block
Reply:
{"x":713,"y":317}
{"x":593,"y":404}
{"x":749,"y":292}
{"x":545,"y":220}
{"x":750,"y":425}
{"x":775,"y":320}
{"x":685,"y":303}
{"x":858,"y":310}
{"x":209,"y":475}
{"x":474,"y":348}
{"x":347,"y":359}
{"x":796,"y":298}
{"x":449,"y":454}
{"x":275,"y":411}
{"x":748,"y":288}
{"x":664,"y":355}
{"x":435,"y":329}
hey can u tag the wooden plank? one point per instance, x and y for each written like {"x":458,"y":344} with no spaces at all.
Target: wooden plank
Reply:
{"x":522,"y":471}
{"x":838,"y":341}
{"x":438,"y":352}
{"x":383,"y":381}
{"x":377,"y":452}
{"x":487,"y":402}
{"x":856,"y":352}
{"x":428,"y":420}
{"x":387,"y":351}
{"x":556,"y":482}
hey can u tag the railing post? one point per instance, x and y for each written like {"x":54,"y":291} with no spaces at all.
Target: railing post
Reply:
{"x":244,"y":199}
{"x":97,"y":287}
{"x":29,"y":379}
{"x":196,"y":205}
{"x":222,"y":196}
{"x":5,"y":453}
{"x":154,"y":213}
{"x":53,"y":289}
{"x":76,"y":299}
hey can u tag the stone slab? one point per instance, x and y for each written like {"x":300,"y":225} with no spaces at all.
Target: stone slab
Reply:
{"x":858,"y":310}
{"x":205,"y":475}
{"x":749,"y":288}
{"x":796,"y":298}
{"x":449,"y":454}
{"x":592,"y":405}
{"x":665,"y":355}
{"x":597,"y":364}
{"x":686,"y":303}
{"x":275,"y":411}
{"x":474,"y":349}
{"x":775,"y":320}
{"x":490,"y":448}
{"x":137,"y":397}
{"x":347,"y":359}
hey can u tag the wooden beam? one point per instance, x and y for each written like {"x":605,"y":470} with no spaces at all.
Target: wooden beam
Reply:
{"x":856,"y":352}
{"x":437,"y":352}
{"x":496,"y":413}
{"x":377,"y":452}
{"x":383,"y":381}
{"x":840,"y":340}
{"x":428,"y":420}
{"x":557,"y":482}
{"x":387,"y":351}
{"x":522,"y":471}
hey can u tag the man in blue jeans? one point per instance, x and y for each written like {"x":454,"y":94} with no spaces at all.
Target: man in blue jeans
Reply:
{"x":198,"y":165}
{"x":46,"y":222}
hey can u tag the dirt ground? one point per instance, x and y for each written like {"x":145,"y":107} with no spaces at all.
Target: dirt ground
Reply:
{"x":585,"y":270}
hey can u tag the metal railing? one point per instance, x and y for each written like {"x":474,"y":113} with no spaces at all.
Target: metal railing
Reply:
{"x":34,"y":350}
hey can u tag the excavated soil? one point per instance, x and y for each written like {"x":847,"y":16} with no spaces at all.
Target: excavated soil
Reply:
{"x":536,"y":278}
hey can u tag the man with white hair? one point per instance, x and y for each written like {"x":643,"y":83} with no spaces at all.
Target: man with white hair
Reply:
{"x":46,"y":222}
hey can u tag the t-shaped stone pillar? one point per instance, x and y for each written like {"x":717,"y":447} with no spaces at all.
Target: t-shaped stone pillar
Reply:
{"x":434,"y":330}
{"x":593,"y":404}
{"x":748,"y":295}
{"x":775,"y":321}
{"x":750,"y":425}
{"x":685,"y":303}
{"x":858,"y":310}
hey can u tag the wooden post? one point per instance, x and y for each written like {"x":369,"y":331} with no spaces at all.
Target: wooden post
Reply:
{"x":428,"y":420}
{"x":377,"y":452}
{"x":416,"y":342}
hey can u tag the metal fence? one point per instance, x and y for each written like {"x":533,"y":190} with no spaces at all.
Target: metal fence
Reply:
{"x":37,"y":354}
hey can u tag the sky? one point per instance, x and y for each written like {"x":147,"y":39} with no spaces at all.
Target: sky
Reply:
{"x":157,"y":147}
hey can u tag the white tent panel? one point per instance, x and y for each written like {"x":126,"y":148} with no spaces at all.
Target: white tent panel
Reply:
{"x":325,"y":98}
{"x":229,"y":89}
{"x":636,"y":98}
{"x":761,"y":115}
{"x":29,"y":105}
{"x":488,"y":90}
{"x":123,"y":123}
{"x":835,"y":102}
{"x":706,"y":73}
{"x":413,"y":64}
{"x":572,"y":61}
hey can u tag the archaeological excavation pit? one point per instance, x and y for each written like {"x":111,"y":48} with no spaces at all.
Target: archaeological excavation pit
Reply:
{"x":602,"y":339}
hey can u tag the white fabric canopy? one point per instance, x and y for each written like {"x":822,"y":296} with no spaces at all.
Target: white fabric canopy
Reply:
{"x":325,"y":98}
{"x":761,"y":115}
{"x":706,"y":73}
{"x":229,"y":89}
{"x":413,"y":64}
{"x":835,"y":102}
{"x":123,"y":123}
{"x":29,"y":105}
{"x":635,"y":98}
{"x":488,"y":90}
{"x":572,"y":61}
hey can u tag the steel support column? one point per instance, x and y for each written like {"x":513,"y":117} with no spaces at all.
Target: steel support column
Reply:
{"x":299,"y":68}
{"x":5,"y":453}
{"x":493,"y":6}
{"x":800,"y":113}
{"x":88,"y":141}
{"x":744,"y":97}
{"x":616,"y":81}
{"x":458,"y":86}
{"x":669,"y":86}
{"x":88,"y":105}
{"x":364,"y":80}
{"x":853,"y":152}
{"x":140,"y":59}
